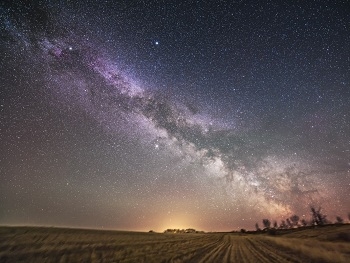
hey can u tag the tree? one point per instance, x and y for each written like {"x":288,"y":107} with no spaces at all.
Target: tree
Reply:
{"x":339,"y":220}
{"x":295,"y":220}
{"x":275,"y":225}
{"x":283,"y":224}
{"x":303,"y":222}
{"x":289,"y":223}
{"x":257,"y":227}
{"x":266,"y":223}
{"x":317,"y":217}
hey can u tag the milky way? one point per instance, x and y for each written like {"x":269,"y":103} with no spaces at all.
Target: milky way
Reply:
{"x":152,"y":116}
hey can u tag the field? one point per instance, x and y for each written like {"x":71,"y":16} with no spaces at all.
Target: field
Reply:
{"x":35,"y":244}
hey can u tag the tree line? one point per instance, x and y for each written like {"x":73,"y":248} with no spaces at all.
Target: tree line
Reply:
{"x":317,"y":219}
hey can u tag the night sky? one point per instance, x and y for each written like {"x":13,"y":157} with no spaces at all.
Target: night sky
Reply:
{"x":139,"y":115}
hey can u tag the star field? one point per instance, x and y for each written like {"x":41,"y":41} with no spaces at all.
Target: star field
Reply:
{"x":153,"y":115}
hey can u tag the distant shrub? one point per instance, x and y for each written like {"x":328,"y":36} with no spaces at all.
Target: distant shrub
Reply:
{"x":283,"y":224}
{"x":339,"y":220}
{"x":243,"y":230}
{"x":294,"y":220}
{"x":257,"y":227}
{"x":318,"y":218}
{"x":266,"y":223}
{"x":275,"y":225}
{"x":304,"y":222}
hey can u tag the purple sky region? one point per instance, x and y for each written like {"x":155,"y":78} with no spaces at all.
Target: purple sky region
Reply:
{"x":153,"y":115}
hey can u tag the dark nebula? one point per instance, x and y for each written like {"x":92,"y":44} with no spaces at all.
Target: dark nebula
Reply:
{"x":143,"y":115}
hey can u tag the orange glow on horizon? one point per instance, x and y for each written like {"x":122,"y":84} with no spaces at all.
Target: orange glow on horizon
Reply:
{"x":177,"y":221}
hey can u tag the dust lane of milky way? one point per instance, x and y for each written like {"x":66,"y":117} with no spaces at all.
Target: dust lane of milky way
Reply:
{"x":128,"y":116}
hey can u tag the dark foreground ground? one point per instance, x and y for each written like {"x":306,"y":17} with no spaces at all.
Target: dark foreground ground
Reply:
{"x":35,"y":244}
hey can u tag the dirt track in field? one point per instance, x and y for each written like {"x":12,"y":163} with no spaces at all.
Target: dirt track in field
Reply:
{"x":233,"y":248}
{"x":29,"y":244}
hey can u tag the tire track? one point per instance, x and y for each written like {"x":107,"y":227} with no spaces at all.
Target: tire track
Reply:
{"x":278,"y":254}
{"x":257,"y":255}
{"x":35,"y":245}
{"x":237,"y":255}
{"x":222,"y":253}
{"x":216,"y":254}
{"x":196,"y":254}
{"x":227,"y":255}
{"x":210,"y":253}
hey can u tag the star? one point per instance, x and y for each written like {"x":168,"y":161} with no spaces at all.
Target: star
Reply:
{"x":129,"y":114}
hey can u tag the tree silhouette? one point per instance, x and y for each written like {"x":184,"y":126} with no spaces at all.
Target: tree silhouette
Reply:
{"x":257,"y":227}
{"x":283,"y":224}
{"x":295,"y":220}
{"x":339,"y":220}
{"x":275,"y":225}
{"x":303,"y":222}
{"x":317,"y":217}
{"x":266,"y":223}
{"x":289,"y":223}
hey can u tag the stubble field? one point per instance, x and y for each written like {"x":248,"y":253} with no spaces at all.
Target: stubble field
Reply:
{"x":34,"y":244}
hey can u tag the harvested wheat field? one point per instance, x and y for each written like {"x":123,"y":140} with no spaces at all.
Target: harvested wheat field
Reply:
{"x":35,"y":244}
